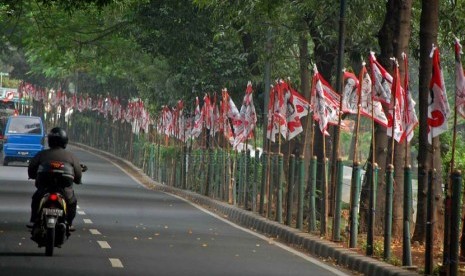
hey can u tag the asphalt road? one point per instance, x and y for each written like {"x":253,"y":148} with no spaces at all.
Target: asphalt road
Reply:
{"x":125,"y":229}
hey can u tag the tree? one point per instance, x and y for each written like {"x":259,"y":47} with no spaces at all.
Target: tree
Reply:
{"x":429,"y":25}
{"x":394,"y":39}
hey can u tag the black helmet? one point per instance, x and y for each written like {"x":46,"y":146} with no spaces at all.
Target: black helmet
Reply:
{"x":57,"y":137}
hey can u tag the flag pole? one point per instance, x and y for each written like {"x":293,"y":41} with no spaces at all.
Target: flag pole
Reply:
{"x":325,"y":205}
{"x":357,"y":122}
{"x":454,"y":134}
{"x":268,"y":182}
{"x":373,"y":136}
{"x":310,"y":122}
{"x":394,"y":112}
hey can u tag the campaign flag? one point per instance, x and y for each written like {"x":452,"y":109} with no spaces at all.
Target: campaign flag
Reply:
{"x":382,"y":81}
{"x":302,"y":106}
{"x":215,"y":117}
{"x":459,"y":80}
{"x":395,"y":123}
{"x":207,"y":111}
{"x":167,"y":121}
{"x":325,"y":103}
{"x":229,"y":115}
{"x":438,"y":107}
{"x":276,"y":112}
{"x":248,"y":118}
{"x":198,"y":120}
{"x":180,"y":121}
{"x":369,"y":107}
{"x":409,"y":117}
{"x":350,"y":95}
{"x":296,"y":108}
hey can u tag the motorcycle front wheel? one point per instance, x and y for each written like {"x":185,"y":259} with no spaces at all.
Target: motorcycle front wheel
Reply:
{"x":50,"y":241}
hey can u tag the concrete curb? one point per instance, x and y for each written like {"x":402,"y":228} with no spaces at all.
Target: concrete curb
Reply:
{"x":305,"y":241}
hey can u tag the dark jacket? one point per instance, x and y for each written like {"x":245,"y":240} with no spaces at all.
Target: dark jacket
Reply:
{"x":55,"y":154}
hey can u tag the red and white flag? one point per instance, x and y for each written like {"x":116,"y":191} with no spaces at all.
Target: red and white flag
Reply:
{"x":229,"y":115}
{"x":215,"y":117}
{"x":459,"y":80}
{"x":369,"y":107}
{"x":382,"y":81}
{"x":409,"y":117}
{"x":438,"y":106}
{"x":198,"y":120}
{"x":297,"y":107}
{"x":396,"y":109}
{"x":302,"y":106}
{"x":207,"y":111}
{"x":167,"y":121}
{"x":325,"y":102}
{"x":248,"y":118}
{"x":180,"y":121}
{"x":350,"y":95}
{"x":276,"y":112}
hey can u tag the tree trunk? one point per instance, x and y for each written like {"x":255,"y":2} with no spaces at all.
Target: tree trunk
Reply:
{"x":385,"y":40}
{"x":393,"y":40}
{"x":400,"y":43}
{"x":429,"y":23}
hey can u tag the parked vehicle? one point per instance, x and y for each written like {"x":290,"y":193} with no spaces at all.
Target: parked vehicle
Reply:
{"x":23,"y":138}
{"x":52,"y":229}
{"x":8,"y":108}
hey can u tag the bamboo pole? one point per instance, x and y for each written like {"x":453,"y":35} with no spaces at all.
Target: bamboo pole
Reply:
{"x":324,"y":188}
{"x":406,"y":247}
{"x":268,"y":196}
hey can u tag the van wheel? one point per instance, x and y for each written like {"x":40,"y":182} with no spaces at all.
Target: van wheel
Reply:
{"x":5,"y":162}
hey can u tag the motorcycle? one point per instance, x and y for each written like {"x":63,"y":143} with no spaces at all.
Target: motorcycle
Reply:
{"x":52,"y":230}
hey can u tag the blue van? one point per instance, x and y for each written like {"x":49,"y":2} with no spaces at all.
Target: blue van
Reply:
{"x":23,"y":138}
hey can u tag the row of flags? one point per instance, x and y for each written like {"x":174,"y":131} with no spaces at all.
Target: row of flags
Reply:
{"x":366,"y":95}
{"x":222,"y":116}
{"x":369,"y":95}
{"x":133,"y":112}
{"x":372,"y":92}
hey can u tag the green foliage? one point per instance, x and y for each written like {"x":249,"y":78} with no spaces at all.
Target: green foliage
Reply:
{"x":169,"y":152}
{"x":378,"y":248}
{"x":446,"y":152}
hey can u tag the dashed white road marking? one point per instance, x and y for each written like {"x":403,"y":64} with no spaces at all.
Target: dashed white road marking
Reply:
{"x":81,"y":213}
{"x":116,"y":262}
{"x":104,"y":244}
{"x":87,"y":221}
{"x":95,"y":232}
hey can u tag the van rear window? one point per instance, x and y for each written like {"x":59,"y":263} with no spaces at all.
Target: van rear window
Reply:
{"x":24,"y":125}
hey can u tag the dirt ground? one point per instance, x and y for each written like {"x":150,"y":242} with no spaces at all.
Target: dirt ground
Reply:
{"x":417,"y":251}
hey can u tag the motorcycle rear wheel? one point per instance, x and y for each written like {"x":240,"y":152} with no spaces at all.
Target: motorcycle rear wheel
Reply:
{"x":50,"y":241}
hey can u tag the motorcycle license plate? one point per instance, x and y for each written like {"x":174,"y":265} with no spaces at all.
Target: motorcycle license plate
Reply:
{"x":53,"y":212}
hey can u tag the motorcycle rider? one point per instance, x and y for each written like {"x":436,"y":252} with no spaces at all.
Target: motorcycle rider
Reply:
{"x":57,"y":141}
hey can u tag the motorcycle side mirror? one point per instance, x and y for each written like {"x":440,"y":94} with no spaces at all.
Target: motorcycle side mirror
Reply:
{"x":83,"y":167}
